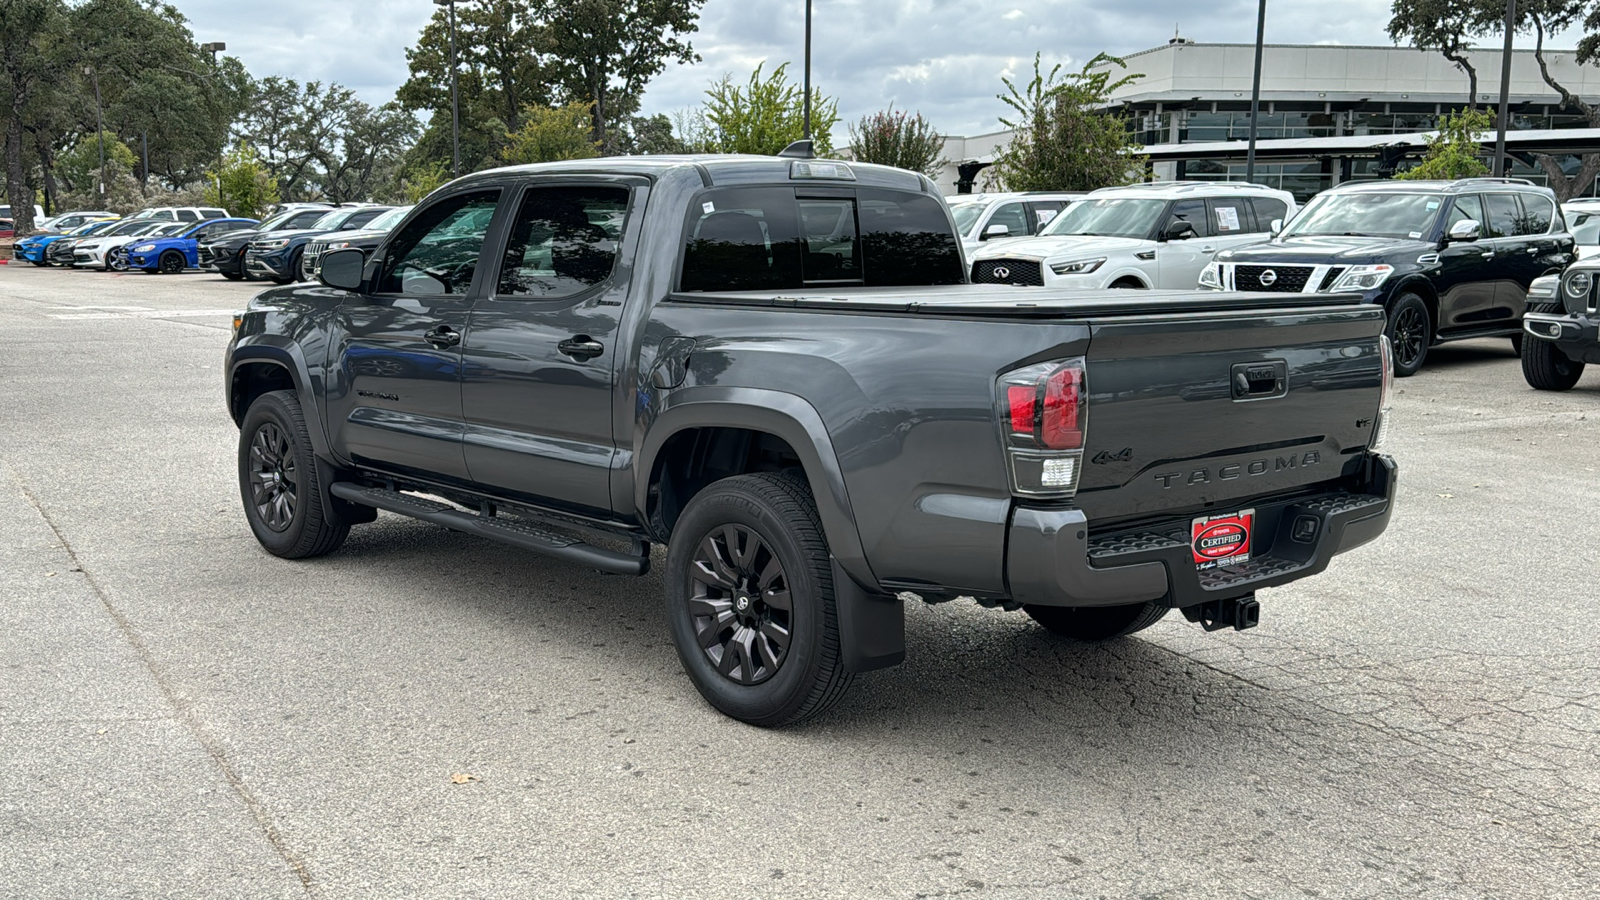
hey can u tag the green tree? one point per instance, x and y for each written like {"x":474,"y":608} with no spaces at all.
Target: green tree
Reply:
{"x":648,"y":135}
{"x":499,"y":70}
{"x":78,"y":167}
{"x":1448,"y":26}
{"x":248,"y":188}
{"x":1063,"y":141}
{"x":1454,"y":152}
{"x":604,"y":52}
{"x":31,"y":41}
{"x":321,"y":141}
{"x":903,"y":140}
{"x":766,"y":114}
{"x":550,"y":134}
{"x":423,"y":180}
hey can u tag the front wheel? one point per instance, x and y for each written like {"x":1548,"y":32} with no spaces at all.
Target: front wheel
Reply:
{"x":172,"y":262}
{"x":1097,"y":623}
{"x":750,"y":601}
{"x":1546,"y":368}
{"x":285,"y":501}
{"x":1410,"y":331}
{"x":116,"y":261}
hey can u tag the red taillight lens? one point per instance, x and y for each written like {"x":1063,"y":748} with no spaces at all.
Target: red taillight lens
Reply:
{"x":1062,"y":424}
{"x":1021,"y":399}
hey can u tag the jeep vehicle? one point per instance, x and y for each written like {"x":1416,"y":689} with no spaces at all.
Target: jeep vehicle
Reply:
{"x":986,"y":218}
{"x":773,"y":367}
{"x":1561,"y":330}
{"x":225,"y":254}
{"x":1448,"y":260}
{"x":366,"y":239}
{"x":1158,"y":235}
{"x":276,"y":256}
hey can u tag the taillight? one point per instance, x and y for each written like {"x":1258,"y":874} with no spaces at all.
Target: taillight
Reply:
{"x":1380,"y":431}
{"x":1043,"y":409}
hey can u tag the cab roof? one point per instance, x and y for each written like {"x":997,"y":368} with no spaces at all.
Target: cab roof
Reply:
{"x":717,"y":169}
{"x":1457,"y":186}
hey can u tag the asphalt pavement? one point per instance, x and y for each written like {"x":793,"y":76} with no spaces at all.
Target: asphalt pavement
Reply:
{"x":424,"y":714}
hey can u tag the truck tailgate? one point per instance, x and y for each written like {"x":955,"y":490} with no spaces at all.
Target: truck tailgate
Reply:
{"x":1204,"y":410}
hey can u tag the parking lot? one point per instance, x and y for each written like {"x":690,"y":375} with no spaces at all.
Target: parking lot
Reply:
{"x":424,"y":714}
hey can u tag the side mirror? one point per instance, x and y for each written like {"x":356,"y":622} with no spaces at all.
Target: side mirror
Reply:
{"x":1466,"y":230}
{"x":342,"y":269}
{"x":1277,"y":226}
{"x":1178,"y":231}
{"x":994,"y":231}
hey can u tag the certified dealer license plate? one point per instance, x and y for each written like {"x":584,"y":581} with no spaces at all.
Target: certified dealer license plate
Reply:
{"x":1222,"y":540}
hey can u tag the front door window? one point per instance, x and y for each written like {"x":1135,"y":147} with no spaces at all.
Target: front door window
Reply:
{"x":438,"y":252}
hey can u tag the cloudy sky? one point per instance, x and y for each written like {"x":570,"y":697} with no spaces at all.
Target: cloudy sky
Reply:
{"x":942,"y":57}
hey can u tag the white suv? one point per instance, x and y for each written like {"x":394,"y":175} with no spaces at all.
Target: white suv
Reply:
{"x":1002,"y":217}
{"x":181,"y":213}
{"x":1158,"y":235}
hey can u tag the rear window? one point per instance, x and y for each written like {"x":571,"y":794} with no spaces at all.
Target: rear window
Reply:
{"x":1537,"y":214}
{"x":778,"y":238}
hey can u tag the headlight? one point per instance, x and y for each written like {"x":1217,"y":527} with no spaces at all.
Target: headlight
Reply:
{"x":144,"y":248}
{"x":1578,"y":285}
{"x":1078,"y":267}
{"x":337,"y":246}
{"x":277,"y":244}
{"x":1211,"y":276}
{"x":1362,"y":278}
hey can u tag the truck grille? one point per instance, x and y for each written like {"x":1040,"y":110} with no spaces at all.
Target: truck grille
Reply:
{"x":1008,"y":271}
{"x":1282,"y":280}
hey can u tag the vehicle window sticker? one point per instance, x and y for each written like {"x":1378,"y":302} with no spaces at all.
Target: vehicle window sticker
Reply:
{"x":708,"y":207}
{"x":1227,"y":218}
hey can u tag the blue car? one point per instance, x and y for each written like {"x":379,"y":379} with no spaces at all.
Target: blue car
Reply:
{"x":171,"y":254}
{"x":34,"y":247}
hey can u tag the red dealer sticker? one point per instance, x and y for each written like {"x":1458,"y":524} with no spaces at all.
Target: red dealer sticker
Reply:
{"x":1222,"y":540}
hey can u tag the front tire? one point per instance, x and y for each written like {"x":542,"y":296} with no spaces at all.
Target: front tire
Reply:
{"x":750,"y":601}
{"x":1410,"y":330}
{"x":1097,"y":623}
{"x":286,"y":503}
{"x":1546,"y":368}
{"x":172,"y":263}
{"x":116,"y":261}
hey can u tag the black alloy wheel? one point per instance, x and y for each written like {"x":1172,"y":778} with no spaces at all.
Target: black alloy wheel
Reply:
{"x":1410,"y":332}
{"x":172,"y":262}
{"x":740,"y":603}
{"x":284,"y":487}
{"x":274,"y":480}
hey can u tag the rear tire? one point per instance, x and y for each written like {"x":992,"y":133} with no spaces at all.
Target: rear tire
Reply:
{"x":750,"y":601}
{"x":1097,"y":623}
{"x":287,"y":505}
{"x":1410,"y":331}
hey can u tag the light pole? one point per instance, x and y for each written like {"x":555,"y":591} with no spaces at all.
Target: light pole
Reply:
{"x":99,"y":130}
{"x":211,"y":48}
{"x":455,"y":110}
{"x":1255,"y":94}
{"x":808,"y":72}
{"x":1505,"y":92}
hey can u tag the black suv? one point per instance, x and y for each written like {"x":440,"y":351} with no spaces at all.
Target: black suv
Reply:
{"x":1448,"y":260}
{"x":226,"y":253}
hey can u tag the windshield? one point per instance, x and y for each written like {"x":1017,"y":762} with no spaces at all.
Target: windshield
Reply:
{"x":276,"y":219}
{"x":966,"y":215}
{"x":1585,"y":227}
{"x":1108,"y":218}
{"x":388,"y":220}
{"x":1368,"y":215}
{"x":90,"y":228}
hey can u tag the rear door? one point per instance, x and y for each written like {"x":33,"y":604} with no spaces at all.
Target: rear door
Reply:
{"x":1234,"y":223}
{"x":542,"y":354}
{"x":1542,"y":252}
{"x":394,"y":398}
{"x":1513,"y":260}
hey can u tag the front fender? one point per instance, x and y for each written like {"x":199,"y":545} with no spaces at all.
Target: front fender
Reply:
{"x":284,"y":353}
{"x":787,"y":416}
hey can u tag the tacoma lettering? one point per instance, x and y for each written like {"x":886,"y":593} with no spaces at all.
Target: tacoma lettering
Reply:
{"x":1233,"y":471}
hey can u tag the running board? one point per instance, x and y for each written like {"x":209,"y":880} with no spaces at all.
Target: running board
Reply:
{"x":506,"y":531}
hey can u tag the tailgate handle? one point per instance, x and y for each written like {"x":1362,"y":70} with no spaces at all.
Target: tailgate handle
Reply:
{"x":1260,"y":381}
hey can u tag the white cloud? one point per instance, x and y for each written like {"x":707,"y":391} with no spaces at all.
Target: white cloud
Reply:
{"x":1014,"y":14}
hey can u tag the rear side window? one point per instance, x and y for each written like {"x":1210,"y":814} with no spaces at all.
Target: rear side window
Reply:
{"x":563,"y":242}
{"x":1230,"y":215}
{"x":1045,"y":210}
{"x":1537,"y":214}
{"x":1503,"y":214}
{"x":744,"y":239}
{"x":1267,"y":209}
{"x":188,"y":215}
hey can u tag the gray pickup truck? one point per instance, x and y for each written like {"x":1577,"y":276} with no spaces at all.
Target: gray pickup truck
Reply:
{"x":775,"y":368}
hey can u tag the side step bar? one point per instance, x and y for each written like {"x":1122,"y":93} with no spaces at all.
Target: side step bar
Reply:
{"x":506,"y":531}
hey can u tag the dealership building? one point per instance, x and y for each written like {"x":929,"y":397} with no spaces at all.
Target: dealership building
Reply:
{"x":1329,"y":113}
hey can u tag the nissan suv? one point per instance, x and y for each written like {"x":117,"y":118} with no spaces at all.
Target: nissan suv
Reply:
{"x":1156,"y":235}
{"x":1448,"y":260}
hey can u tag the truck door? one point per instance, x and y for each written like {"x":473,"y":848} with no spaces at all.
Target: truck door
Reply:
{"x":542,"y":354}
{"x":394,"y":395}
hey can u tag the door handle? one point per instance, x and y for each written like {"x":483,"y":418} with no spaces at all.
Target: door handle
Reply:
{"x":1208,"y":249}
{"x":443,"y":337}
{"x":1533,"y":251}
{"x":581,"y":347}
{"x":1488,"y":254}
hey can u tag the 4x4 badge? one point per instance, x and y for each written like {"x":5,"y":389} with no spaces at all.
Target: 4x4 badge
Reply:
{"x":1106,"y":456}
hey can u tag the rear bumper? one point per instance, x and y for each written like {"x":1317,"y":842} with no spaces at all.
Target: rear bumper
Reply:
{"x":1052,"y":560}
{"x":1576,"y":334}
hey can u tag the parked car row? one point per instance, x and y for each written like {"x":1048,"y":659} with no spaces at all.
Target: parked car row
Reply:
{"x":281,"y":249}
{"x":1447,"y":260}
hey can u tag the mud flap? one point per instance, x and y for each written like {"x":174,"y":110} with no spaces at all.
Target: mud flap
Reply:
{"x":872,"y":627}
